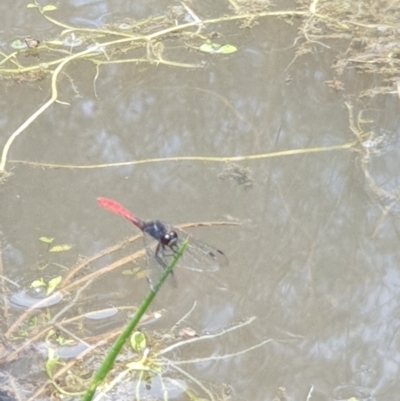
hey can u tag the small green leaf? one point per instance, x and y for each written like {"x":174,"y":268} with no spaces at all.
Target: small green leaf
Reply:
{"x":46,"y":240}
{"x":51,"y":362}
{"x":49,"y":8}
{"x":227,"y":49}
{"x":209,"y":47}
{"x":138,"y":341}
{"x":18,"y":44}
{"x":38,"y":283}
{"x":31,"y":5}
{"x":215,"y":48}
{"x":23,"y":333}
{"x":62,"y":341}
{"x":60,"y":248}
{"x":52,"y":285}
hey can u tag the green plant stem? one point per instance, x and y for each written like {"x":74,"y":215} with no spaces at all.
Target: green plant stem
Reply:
{"x":116,"y":348}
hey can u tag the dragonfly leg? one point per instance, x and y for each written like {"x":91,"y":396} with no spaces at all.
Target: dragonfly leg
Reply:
{"x":159,"y":255}
{"x":174,"y":248}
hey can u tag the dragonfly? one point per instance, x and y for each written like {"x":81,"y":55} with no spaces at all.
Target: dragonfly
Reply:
{"x":162,"y":241}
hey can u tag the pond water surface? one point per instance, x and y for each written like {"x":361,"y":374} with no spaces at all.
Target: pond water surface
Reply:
{"x":314,"y":256}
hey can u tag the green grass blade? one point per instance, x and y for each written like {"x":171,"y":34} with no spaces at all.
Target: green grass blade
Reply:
{"x":108,"y":362}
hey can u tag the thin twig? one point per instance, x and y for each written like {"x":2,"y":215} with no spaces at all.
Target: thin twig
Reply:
{"x":71,"y":335}
{"x":262,"y":156}
{"x":207,"y":336}
{"x":215,"y":358}
{"x":184,"y":317}
{"x":70,"y":304}
{"x":194,"y":380}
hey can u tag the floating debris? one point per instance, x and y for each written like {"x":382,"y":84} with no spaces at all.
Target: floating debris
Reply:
{"x":31,"y":43}
{"x":25,"y":300}
{"x":237,"y":173}
{"x":101,"y":314}
{"x":18,"y":44}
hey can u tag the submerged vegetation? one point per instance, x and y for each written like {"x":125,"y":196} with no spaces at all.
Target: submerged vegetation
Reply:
{"x":367,"y":34}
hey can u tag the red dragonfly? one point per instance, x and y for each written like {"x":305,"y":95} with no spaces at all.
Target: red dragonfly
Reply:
{"x":198,"y":256}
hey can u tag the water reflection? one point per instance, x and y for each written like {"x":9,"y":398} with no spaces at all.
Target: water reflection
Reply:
{"x":315,"y":259}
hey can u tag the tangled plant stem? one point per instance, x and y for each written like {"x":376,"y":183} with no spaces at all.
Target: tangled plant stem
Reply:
{"x":320,"y":20}
{"x":91,"y":53}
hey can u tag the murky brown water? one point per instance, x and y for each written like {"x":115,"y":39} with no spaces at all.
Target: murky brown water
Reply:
{"x":314,"y":259}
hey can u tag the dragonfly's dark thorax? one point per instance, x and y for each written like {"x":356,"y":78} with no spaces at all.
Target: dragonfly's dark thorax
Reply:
{"x":161,"y":233}
{"x":156,"y":229}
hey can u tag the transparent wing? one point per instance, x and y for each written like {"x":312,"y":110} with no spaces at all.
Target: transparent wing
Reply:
{"x":198,"y":256}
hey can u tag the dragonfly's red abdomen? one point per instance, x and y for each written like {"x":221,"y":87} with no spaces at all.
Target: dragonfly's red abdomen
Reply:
{"x":116,"y":208}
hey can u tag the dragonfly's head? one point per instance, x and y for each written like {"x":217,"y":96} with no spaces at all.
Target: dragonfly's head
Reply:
{"x":169,"y":239}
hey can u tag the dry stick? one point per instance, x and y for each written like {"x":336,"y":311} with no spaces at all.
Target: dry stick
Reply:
{"x":119,"y":263}
{"x":8,"y":57}
{"x":98,"y":256}
{"x":206,"y":336}
{"x":22,"y":69}
{"x":151,"y":61}
{"x":292,"y":152}
{"x":218,"y":358}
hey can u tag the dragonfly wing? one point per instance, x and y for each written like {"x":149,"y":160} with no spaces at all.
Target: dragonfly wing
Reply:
{"x":200,"y":256}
